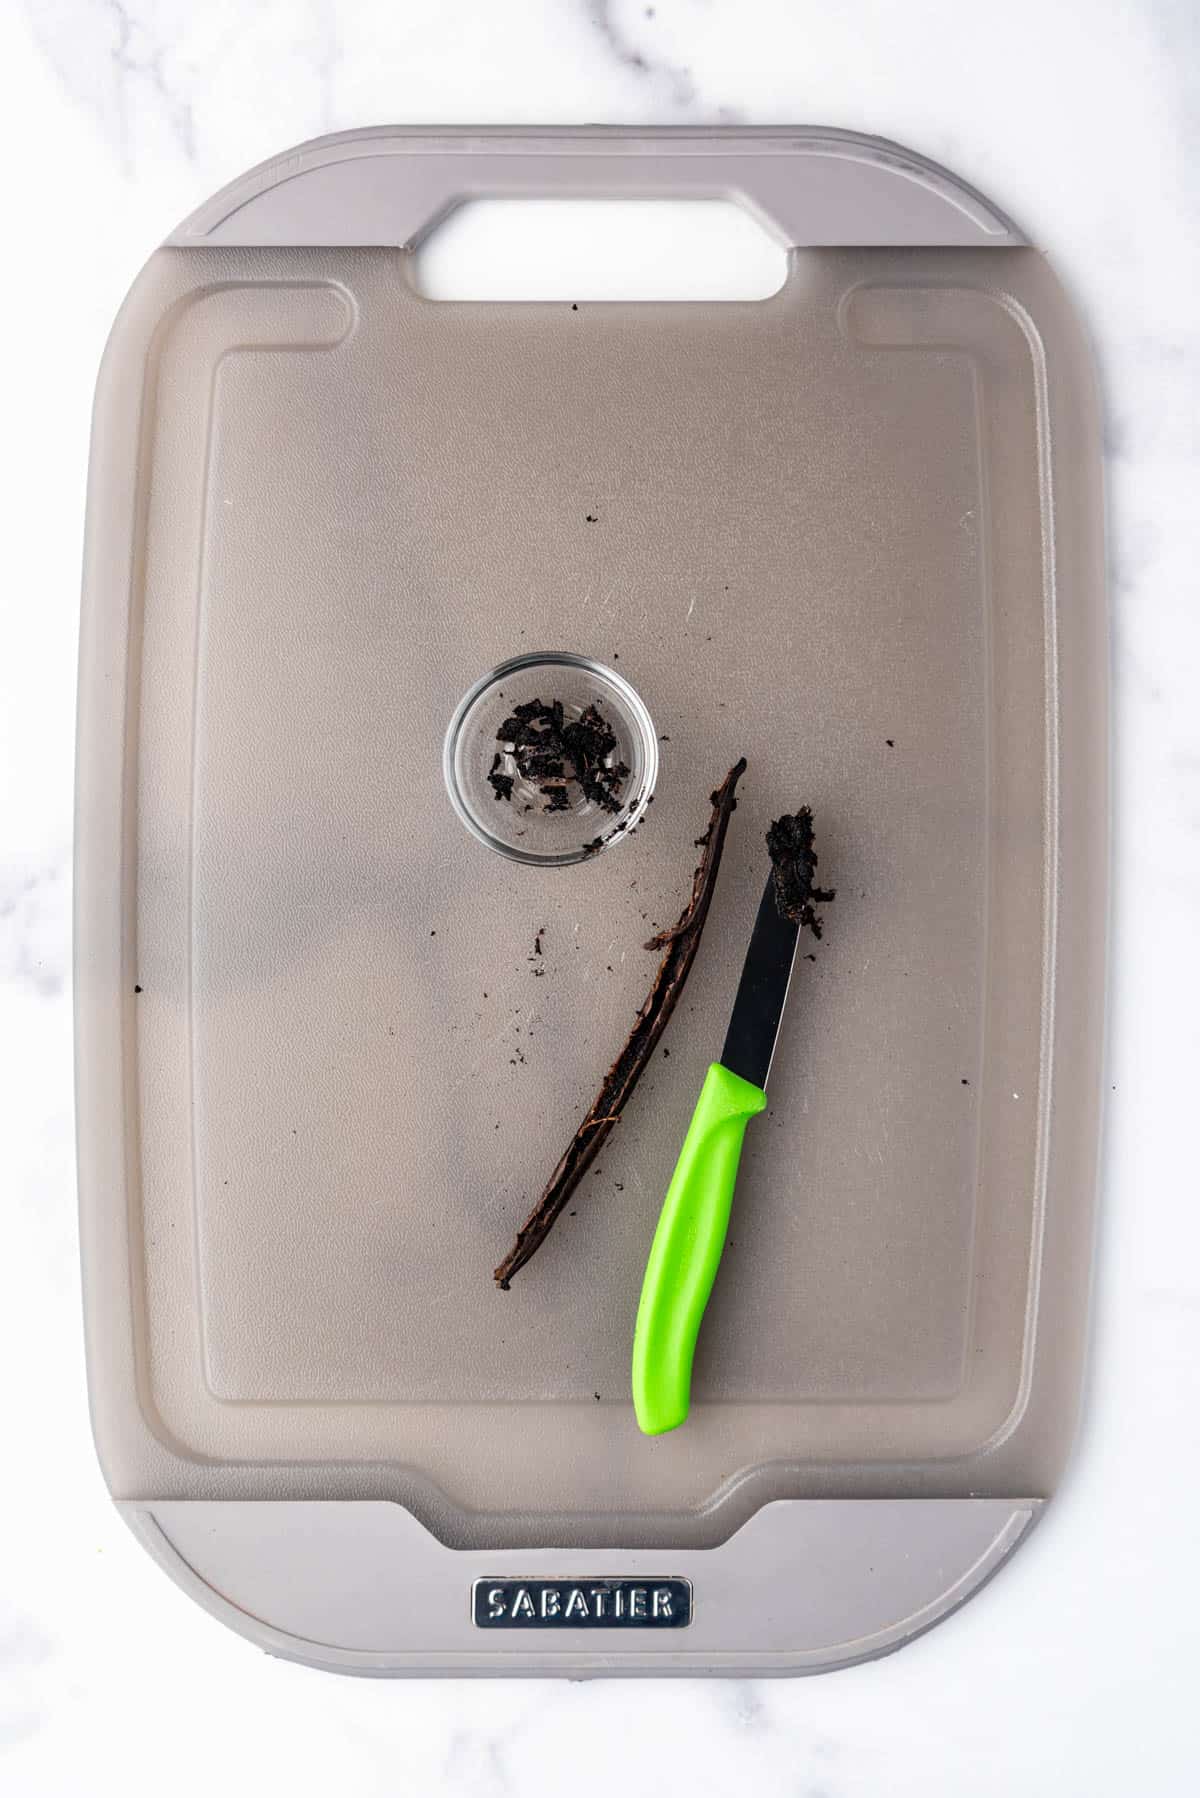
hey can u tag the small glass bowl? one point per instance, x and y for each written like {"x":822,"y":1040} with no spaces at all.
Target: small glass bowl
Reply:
{"x":521,"y":827}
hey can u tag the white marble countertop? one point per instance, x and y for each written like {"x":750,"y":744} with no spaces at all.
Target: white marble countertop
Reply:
{"x":1072,"y":1672}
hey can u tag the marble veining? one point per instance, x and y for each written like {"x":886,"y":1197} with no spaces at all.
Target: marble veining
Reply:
{"x":1071,"y":1673}
{"x":642,"y":59}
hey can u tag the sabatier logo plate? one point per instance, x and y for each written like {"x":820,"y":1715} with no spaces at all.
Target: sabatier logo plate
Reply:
{"x":599,"y":1603}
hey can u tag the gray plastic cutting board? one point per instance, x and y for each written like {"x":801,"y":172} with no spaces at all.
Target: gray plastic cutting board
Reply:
{"x":852,"y":532}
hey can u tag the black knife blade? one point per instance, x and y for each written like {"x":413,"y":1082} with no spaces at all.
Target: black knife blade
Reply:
{"x":762,"y":991}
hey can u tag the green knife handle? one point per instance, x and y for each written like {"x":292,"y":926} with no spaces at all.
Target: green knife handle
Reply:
{"x":687,"y":1248}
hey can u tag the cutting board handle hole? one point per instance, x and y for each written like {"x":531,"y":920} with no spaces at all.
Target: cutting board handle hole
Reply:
{"x":580,"y":250}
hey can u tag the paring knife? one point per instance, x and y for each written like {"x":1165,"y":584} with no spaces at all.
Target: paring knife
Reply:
{"x":691,"y":1229}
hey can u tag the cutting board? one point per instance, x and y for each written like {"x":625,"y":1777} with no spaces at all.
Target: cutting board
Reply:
{"x":852,"y":532}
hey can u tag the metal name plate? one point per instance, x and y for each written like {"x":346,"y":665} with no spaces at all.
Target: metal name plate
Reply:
{"x":598,"y":1603}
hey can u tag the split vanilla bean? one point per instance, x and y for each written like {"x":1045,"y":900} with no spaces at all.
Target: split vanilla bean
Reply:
{"x":680,"y":943}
